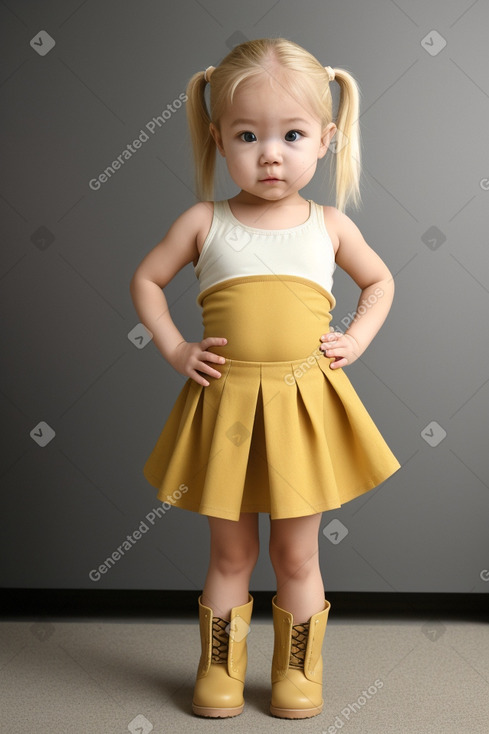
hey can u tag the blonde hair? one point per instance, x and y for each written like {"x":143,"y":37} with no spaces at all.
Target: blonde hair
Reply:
{"x":305,"y":78}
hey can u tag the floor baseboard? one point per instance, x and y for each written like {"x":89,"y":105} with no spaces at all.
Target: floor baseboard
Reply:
{"x":34,"y":603}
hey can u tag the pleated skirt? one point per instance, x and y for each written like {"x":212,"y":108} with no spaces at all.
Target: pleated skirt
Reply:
{"x":283,"y":434}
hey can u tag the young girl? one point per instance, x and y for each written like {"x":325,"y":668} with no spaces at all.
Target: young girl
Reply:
{"x":267,"y":420}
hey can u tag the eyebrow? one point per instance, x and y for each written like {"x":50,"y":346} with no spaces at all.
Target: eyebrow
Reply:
{"x":288,"y":121}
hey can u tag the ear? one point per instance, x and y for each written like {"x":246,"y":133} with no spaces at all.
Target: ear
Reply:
{"x":326,"y":137}
{"x":217,"y":138}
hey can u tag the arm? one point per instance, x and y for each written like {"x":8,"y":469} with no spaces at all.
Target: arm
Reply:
{"x":156,"y":270}
{"x":371,"y":274}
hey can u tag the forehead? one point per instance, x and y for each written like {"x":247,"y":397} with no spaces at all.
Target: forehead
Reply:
{"x":268,"y":97}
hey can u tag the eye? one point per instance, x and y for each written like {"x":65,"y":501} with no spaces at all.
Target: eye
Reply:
{"x":292,"y":136}
{"x":248,"y":137}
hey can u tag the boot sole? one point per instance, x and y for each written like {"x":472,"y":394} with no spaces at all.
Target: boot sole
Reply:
{"x":216,"y":713}
{"x":295,"y":713}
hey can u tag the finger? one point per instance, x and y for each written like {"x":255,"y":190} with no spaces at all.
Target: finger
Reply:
{"x":330,"y":343}
{"x":211,"y":357}
{"x":332,"y":351}
{"x":213,"y":340}
{"x":336,"y":363}
{"x":207,"y":369}
{"x":200,"y":379}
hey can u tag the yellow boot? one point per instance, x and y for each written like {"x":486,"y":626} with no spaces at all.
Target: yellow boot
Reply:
{"x":221,"y":674}
{"x":297,"y":664}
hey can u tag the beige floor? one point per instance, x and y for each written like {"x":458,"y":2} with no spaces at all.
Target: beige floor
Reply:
{"x":104,"y":677}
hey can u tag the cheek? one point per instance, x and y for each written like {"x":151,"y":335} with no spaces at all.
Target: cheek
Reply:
{"x":238,"y":167}
{"x":309,"y":156}
{"x":304,"y":162}
{"x":240,"y":159}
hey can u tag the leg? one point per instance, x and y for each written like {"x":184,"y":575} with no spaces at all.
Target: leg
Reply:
{"x":295,"y":558}
{"x":300,"y":613}
{"x":233,"y":555}
{"x":218,"y":691}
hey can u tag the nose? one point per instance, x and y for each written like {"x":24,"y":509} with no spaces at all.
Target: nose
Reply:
{"x":271,"y":153}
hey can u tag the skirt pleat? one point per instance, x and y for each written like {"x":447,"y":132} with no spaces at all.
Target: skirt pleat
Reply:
{"x":290,"y":438}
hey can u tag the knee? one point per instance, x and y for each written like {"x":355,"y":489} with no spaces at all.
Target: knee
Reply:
{"x":233,"y":558}
{"x":291,"y":559}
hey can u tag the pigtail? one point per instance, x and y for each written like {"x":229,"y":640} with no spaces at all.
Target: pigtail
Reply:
{"x":348,"y":163}
{"x":203,"y":144}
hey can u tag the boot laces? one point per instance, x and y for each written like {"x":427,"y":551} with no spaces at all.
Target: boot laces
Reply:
{"x":298,"y":645}
{"x":220,"y":640}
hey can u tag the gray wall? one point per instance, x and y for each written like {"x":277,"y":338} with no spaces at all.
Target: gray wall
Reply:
{"x":69,"y":251}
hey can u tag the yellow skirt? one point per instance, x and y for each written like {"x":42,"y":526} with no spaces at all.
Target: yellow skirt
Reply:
{"x":280,"y":431}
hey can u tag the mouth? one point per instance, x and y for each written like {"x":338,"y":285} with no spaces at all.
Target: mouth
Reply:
{"x":270,"y":179}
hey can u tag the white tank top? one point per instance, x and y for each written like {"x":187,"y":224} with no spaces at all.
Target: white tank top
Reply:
{"x":232,"y":249}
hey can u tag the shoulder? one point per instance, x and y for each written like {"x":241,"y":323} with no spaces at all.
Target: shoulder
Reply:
{"x":332,"y":221}
{"x":178,"y":247}
{"x":197,"y":215}
{"x":352,"y":253}
{"x":201,"y":215}
{"x":341,"y":228}
{"x":196,"y":221}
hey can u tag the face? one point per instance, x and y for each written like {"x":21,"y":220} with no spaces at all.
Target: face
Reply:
{"x":270,"y":141}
